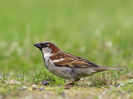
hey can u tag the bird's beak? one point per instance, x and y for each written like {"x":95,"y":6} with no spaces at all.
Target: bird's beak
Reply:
{"x":38,"y":45}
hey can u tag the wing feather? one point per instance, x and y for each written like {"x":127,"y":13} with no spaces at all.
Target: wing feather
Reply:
{"x":72,"y":61}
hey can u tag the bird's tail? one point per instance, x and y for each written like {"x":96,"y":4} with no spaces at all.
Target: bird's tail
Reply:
{"x":101,"y":68}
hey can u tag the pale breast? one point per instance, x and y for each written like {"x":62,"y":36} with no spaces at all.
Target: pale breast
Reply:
{"x":63,"y":72}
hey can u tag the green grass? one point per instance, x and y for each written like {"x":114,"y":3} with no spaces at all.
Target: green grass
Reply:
{"x":100,"y":31}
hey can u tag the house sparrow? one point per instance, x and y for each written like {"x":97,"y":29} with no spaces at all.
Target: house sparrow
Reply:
{"x":66,"y":65}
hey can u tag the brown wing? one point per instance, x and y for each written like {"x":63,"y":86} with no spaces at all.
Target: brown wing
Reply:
{"x":72,"y":61}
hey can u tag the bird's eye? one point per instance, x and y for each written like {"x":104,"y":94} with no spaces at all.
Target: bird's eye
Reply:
{"x":47,"y":44}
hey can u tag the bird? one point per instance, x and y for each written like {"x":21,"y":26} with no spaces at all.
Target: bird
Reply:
{"x":66,"y":65}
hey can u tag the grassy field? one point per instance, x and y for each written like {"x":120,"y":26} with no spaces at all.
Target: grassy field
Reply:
{"x":98,"y":30}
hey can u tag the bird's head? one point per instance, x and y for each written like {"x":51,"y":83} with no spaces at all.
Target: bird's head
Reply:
{"x":47,"y":47}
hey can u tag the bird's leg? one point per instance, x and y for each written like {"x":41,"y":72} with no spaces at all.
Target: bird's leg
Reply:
{"x":67,"y":85}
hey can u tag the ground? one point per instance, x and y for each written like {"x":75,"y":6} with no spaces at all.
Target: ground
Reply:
{"x":100,"y":31}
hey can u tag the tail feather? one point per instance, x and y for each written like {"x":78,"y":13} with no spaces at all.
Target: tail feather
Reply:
{"x":100,"y":68}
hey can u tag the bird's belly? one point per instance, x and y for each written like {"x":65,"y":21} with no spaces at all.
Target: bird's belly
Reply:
{"x":71,"y":73}
{"x":63,"y":72}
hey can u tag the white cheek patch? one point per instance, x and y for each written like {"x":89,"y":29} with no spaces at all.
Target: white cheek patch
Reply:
{"x":46,"y":54}
{"x":58,"y":60}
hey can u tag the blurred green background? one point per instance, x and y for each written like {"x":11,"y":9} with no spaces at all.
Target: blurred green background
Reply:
{"x":98,"y":30}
